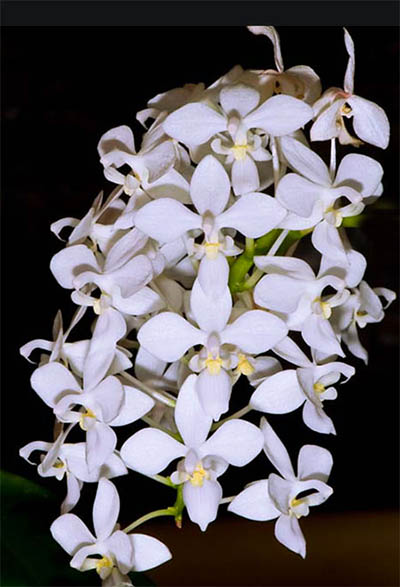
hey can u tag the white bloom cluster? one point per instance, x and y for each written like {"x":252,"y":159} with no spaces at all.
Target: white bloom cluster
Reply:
{"x":189,"y":263}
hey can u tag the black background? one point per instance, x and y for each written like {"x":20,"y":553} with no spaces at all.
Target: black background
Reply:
{"x":63,"y":87}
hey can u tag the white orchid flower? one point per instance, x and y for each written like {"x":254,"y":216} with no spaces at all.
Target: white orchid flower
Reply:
{"x":292,"y":289}
{"x":121,"y":551}
{"x":236,"y":115}
{"x":278,"y":496}
{"x":105,"y":402}
{"x":72,"y":354}
{"x":170,"y":101}
{"x":169,"y":336}
{"x":253,"y":215}
{"x":370,"y":122}
{"x":309,"y":385}
{"x":299,"y":81}
{"x":98,"y":225}
{"x":312,"y":198}
{"x":239,"y":112}
{"x":361,"y":308}
{"x":69,"y":460}
{"x":236,"y":442}
{"x":117,"y":147}
{"x":122,"y":277}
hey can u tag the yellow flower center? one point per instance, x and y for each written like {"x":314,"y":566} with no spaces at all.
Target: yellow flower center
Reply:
{"x":337,"y":216}
{"x":346,"y":109}
{"x":198,"y":476}
{"x":213,"y":365}
{"x":59,"y":464}
{"x":326,"y":310}
{"x":319,"y":388}
{"x":84,"y":415}
{"x":295,"y":502}
{"x":240,"y":151}
{"x":212,"y":250}
{"x":104,"y":563}
{"x":244,"y":366}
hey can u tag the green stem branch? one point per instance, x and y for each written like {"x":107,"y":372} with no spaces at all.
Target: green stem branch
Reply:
{"x":171,"y":511}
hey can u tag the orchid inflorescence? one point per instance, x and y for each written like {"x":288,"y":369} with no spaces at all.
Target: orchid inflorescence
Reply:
{"x":190,"y":264}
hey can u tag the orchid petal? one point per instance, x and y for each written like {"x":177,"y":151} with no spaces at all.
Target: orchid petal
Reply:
{"x":276,"y":451}
{"x":180,"y":124}
{"x":305,"y":162}
{"x":287,"y":349}
{"x":298,"y":195}
{"x":52,"y":381}
{"x":109,"y":396}
{"x":71,"y":533}
{"x":362,"y":173}
{"x":280,"y":115}
{"x":327,"y":241}
{"x":120,"y":545}
{"x":253,"y":215}
{"x":110,"y":328}
{"x":118,"y":137}
{"x":192,"y":421}
{"x":105,"y":509}
{"x":254,"y":503}
{"x":238,"y":442}
{"x":370,"y":122}
{"x":314,"y":462}
{"x":239,"y":98}
{"x":214,"y":392}
{"x":348,"y":84}
{"x":210,"y":313}
{"x":279,"y":394}
{"x":168,"y":336}
{"x":318,"y":333}
{"x":288,"y":533}
{"x":291,"y":266}
{"x":202,"y":502}
{"x":150,"y":451}
{"x":135,"y":405}
{"x":316,"y":419}
{"x":74,"y":487}
{"x":281,"y":491}
{"x":101,"y":441}
{"x":210,"y":186}
{"x":325,"y":127}
{"x":67,"y":264}
{"x":213,"y":275}
{"x":245,"y":176}
{"x":166,"y":219}
{"x":279,"y":292}
{"x":148,"y":552}
{"x":159,"y":160}
{"x":255,"y":331}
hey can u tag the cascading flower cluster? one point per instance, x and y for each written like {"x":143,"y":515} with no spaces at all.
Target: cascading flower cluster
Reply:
{"x":189,"y":273}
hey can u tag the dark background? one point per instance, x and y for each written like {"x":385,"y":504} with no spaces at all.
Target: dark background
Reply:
{"x":63,"y":87}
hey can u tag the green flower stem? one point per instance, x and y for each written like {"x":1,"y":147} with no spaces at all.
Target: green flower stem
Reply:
{"x":238,"y":414}
{"x":238,"y":275}
{"x":253,"y":279}
{"x":241,"y":266}
{"x":171,"y":511}
{"x":155,"y":424}
{"x":332,"y":164}
{"x":162,"y":397}
{"x":227,"y":499}
{"x":264,"y":243}
{"x":179,"y":506}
